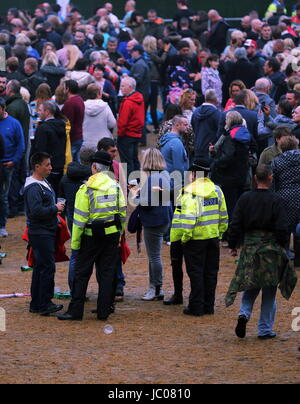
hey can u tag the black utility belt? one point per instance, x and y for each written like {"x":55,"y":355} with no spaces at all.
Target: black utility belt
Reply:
{"x":102,"y":225}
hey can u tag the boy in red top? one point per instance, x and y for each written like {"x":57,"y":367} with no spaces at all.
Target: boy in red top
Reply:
{"x":296,"y":20}
{"x":130,"y":124}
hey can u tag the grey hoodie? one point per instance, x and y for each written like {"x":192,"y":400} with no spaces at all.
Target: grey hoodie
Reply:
{"x":98,"y":123}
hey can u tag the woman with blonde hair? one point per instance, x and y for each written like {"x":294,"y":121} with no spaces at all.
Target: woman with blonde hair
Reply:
{"x":252,"y":100}
{"x":156,"y":215}
{"x":237,"y":39}
{"x":52,"y":70}
{"x":155,"y":62}
{"x":187,"y":103}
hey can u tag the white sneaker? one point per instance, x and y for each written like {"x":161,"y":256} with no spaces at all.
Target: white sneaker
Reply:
{"x":150,"y":295}
{"x":3,"y":233}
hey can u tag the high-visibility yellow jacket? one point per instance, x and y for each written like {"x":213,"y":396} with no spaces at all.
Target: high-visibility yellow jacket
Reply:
{"x":201,"y":213}
{"x":272,"y":9}
{"x":100,"y":198}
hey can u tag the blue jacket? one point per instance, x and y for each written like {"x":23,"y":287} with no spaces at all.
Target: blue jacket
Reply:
{"x":13,"y":136}
{"x":156,"y":208}
{"x":205,"y":122}
{"x":174,"y":153}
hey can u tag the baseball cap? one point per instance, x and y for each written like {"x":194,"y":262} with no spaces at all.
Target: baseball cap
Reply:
{"x":249,"y":43}
{"x":101,"y":157}
{"x":200,"y":164}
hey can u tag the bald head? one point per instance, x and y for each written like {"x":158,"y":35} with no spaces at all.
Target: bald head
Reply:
{"x":263,"y":85}
{"x":214,"y":16}
{"x":256,"y":25}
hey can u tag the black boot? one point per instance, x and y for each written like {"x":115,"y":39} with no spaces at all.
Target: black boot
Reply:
{"x":297,"y":251}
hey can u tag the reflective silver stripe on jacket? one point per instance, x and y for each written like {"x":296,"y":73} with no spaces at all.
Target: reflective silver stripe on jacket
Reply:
{"x":183,"y":226}
{"x":81,"y":213}
{"x":106,"y":198}
{"x":184,"y":217}
{"x":104,"y":210}
{"x":79,"y":224}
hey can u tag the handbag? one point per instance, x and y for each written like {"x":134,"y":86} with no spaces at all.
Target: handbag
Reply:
{"x":135,"y":226}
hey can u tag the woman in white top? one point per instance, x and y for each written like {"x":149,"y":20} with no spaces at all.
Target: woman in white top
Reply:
{"x":99,"y":120}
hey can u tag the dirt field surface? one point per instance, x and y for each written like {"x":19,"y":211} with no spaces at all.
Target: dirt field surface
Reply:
{"x":151,"y":343}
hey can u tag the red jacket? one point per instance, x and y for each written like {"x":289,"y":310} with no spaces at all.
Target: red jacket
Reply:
{"x":62,"y":236}
{"x":132,"y":116}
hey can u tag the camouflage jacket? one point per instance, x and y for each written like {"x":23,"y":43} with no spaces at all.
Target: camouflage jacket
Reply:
{"x":188,"y":138}
{"x":263,"y":263}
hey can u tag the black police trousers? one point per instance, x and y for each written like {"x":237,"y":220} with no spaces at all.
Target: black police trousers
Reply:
{"x":202,"y":258}
{"x":103,"y":252}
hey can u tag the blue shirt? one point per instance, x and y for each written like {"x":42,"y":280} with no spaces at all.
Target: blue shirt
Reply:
{"x":13,"y":136}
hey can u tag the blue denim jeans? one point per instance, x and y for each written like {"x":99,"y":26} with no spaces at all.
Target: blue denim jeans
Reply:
{"x":75,"y":149}
{"x":153,"y":237}
{"x":7,"y":175}
{"x":268,"y":308}
{"x":120,"y":275}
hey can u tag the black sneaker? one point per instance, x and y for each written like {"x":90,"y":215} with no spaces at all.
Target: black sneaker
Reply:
{"x":119,"y":295}
{"x":267,"y":336}
{"x":240,"y":330}
{"x":174,"y":300}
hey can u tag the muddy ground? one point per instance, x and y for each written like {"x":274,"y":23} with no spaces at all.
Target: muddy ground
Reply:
{"x":151,"y":343}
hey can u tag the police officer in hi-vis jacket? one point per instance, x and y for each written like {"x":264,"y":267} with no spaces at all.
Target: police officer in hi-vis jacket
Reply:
{"x":199,"y":222}
{"x":99,"y":220}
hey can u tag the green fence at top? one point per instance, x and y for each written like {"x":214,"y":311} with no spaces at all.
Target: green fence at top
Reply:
{"x":166,"y":8}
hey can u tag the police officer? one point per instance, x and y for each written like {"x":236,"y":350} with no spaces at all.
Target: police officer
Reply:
{"x":99,"y":219}
{"x":199,"y":221}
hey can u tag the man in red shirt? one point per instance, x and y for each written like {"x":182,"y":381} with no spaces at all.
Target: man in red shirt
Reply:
{"x":74,"y":110}
{"x":130,"y":124}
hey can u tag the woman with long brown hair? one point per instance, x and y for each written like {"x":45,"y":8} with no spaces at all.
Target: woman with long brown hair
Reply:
{"x":235,"y":87}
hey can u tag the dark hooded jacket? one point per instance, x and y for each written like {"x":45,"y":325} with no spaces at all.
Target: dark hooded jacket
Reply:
{"x":53,"y":74}
{"x":279,"y":86}
{"x":40,"y":208}
{"x":230,"y":166}
{"x":205,"y":122}
{"x":76,"y":175}
{"x":18,"y":109}
{"x":51,"y":138}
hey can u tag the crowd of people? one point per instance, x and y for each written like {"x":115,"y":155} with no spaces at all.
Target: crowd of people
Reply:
{"x":224,"y":106}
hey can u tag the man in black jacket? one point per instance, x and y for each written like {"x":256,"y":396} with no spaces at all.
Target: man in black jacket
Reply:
{"x":217,"y":35}
{"x":51,"y":138}
{"x":242,"y":70}
{"x":205,"y":121}
{"x":42,"y":223}
{"x":140,"y":72}
{"x":251,"y":118}
{"x":18,"y":109}
{"x":32,"y":78}
{"x":77,"y":174}
{"x":272,"y":71}
{"x":260,"y":222}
